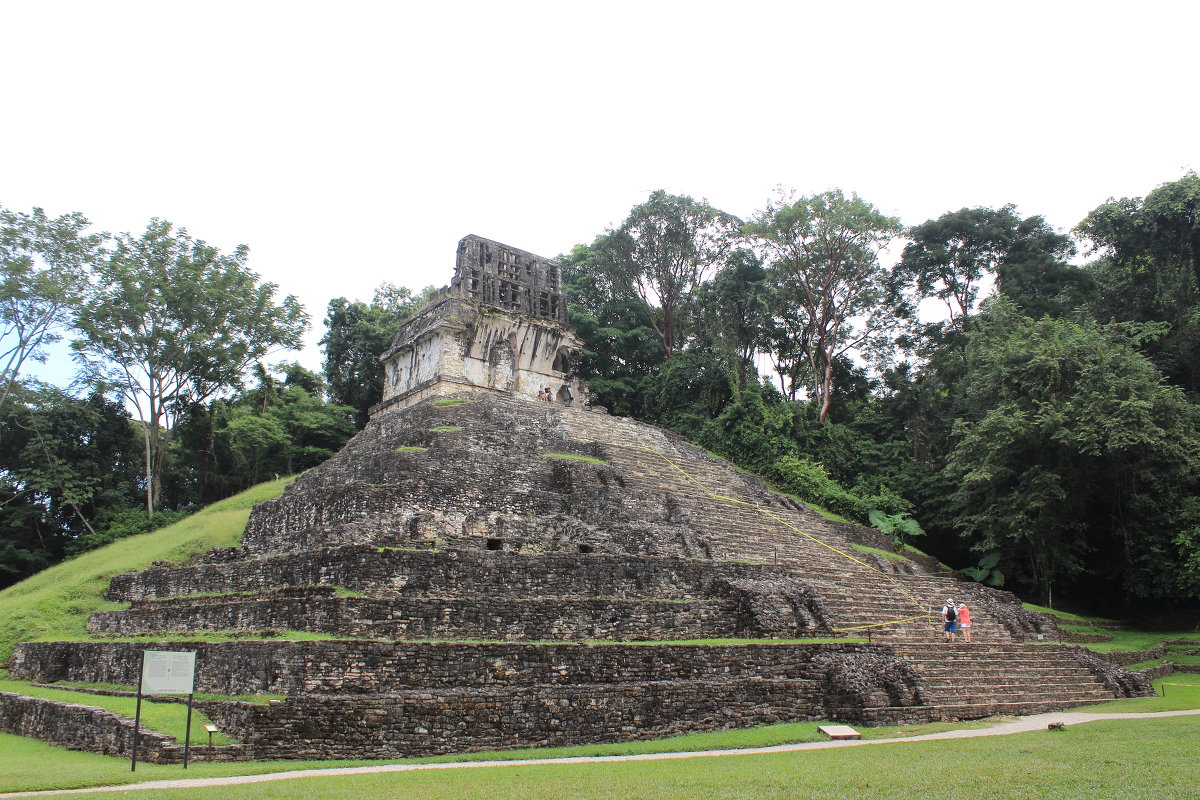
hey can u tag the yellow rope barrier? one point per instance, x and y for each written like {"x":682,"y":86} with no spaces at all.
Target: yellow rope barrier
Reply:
{"x":785,"y":523}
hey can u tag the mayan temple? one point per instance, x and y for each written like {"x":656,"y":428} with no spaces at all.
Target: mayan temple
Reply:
{"x":500,"y":564}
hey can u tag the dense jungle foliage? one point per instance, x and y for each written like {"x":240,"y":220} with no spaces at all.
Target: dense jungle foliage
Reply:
{"x":1022,"y":400}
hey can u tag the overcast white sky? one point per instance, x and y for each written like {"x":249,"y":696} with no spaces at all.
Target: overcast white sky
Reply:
{"x":353,"y":143}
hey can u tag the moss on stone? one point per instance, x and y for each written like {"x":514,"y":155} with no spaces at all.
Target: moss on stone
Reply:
{"x":573,"y":457}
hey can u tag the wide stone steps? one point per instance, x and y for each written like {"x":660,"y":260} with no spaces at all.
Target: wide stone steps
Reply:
{"x":742,"y":529}
{"x":898,"y":618}
{"x":967,"y":680}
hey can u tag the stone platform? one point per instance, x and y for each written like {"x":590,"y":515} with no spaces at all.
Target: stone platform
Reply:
{"x":500,"y":571}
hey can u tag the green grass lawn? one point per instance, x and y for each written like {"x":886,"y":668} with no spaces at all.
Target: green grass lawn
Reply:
{"x":1131,"y":640}
{"x":1121,"y":759}
{"x":1122,"y":640}
{"x":1174,"y":693}
{"x":888,"y":554}
{"x":77,"y":770}
{"x":1068,"y":616}
{"x":573,"y":457}
{"x":55,"y":603}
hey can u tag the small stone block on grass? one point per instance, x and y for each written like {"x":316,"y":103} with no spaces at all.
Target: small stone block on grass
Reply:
{"x":839,"y":731}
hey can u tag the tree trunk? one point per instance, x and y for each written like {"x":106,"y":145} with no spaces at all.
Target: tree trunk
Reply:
{"x":826,"y":388}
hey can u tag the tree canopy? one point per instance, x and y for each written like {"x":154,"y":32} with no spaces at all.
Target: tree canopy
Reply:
{"x":43,"y":277}
{"x":662,"y":253}
{"x":1042,"y":431}
{"x":823,"y":251}
{"x":356,"y":334}
{"x":173,"y":322}
{"x":1071,"y":446}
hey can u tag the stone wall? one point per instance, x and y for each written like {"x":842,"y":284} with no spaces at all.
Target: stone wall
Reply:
{"x":96,"y":730}
{"x":491,"y":481}
{"x":478,"y":617}
{"x":457,"y":341}
{"x":1121,"y":682}
{"x":457,"y":720}
{"x":1162,"y":670}
{"x":79,"y":727}
{"x":439,"y":697}
{"x":1123,"y":658}
{"x":451,"y":573}
{"x":509,"y":279}
{"x":352,"y":667}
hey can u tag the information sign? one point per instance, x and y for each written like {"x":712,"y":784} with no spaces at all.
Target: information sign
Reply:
{"x":168,"y":672}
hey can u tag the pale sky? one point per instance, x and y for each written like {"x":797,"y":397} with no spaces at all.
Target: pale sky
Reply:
{"x":354,"y":143}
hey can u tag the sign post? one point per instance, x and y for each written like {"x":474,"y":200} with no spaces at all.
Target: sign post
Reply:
{"x":165,"y":672}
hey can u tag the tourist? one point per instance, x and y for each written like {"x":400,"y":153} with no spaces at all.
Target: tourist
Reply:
{"x":950,"y":621}
{"x":546,"y":395}
{"x":964,"y":621}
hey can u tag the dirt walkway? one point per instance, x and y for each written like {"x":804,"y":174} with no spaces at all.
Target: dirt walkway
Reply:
{"x":1020,"y":725}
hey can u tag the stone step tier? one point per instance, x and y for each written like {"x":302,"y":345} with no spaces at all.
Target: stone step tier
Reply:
{"x":475,"y":593}
{"x":408,"y":617}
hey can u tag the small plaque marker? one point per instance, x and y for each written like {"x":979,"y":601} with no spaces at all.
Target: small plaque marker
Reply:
{"x":839,"y":732}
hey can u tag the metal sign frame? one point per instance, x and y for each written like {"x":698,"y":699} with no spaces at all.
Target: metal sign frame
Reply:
{"x":165,"y":672}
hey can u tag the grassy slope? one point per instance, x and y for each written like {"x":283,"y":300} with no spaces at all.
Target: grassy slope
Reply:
{"x":55,"y":603}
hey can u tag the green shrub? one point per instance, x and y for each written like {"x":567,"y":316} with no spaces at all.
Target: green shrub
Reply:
{"x":899,"y":527}
{"x":119,"y":524}
{"x":751,"y":432}
{"x":809,"y":481}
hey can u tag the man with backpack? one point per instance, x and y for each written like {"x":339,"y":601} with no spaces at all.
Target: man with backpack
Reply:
{"x":950,"y":621}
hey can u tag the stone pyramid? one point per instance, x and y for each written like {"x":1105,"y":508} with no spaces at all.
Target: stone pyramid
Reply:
{"x":498,"y":565}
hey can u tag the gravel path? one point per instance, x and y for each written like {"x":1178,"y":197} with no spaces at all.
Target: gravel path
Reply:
{"x":1020,"y":725}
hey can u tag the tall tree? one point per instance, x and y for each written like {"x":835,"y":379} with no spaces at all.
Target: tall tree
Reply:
{"x":950,"y":256}
{"x":1073,"y":456}
{"x":1148,"y":270}
{"x":662,"y":252}
{"x":174,"y":322}
{"x":63,"y":461}
{"x":733,"y":310}
{"x":43,"y":275}
{"x":356,"y":334}
{"x":1035,"y":274}
{"x":621,"y":352}
{"x":278,"y":427}
{"x":824,"y":253}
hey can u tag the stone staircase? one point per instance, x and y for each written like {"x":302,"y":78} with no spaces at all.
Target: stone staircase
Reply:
{"x":759,"y":526}
{"x":970,"y":681}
